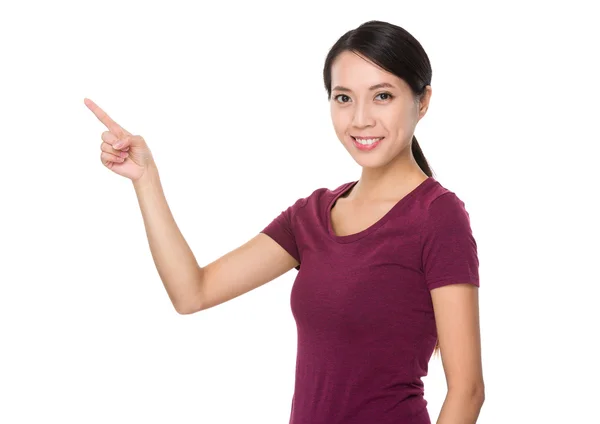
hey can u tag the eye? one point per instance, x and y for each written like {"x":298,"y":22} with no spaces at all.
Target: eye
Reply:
{"x":387,"y":96}
{"x":346,"y":98}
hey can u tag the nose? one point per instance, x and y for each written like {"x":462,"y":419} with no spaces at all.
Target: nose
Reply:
{"x":362,"y":116}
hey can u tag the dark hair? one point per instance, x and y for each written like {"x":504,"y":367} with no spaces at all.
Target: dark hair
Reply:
{"x":393,"y":49}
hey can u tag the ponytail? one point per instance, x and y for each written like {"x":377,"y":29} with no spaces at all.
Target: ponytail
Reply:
{"x":420,"y":157}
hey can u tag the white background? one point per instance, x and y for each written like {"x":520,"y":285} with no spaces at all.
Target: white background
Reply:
{"x":230,"y":98}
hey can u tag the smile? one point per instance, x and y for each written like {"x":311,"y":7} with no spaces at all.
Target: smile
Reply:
{"x":367,"y":143}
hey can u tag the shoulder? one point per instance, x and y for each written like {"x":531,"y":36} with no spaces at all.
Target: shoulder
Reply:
{"x":442,"y":207}
{"x":438,"y":199}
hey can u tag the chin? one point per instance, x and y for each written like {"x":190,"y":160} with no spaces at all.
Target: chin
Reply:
{"x":371,"y":163}
{"x":375,"y":158}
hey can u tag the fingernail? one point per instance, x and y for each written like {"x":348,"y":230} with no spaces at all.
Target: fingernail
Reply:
{"x":118,"y":145}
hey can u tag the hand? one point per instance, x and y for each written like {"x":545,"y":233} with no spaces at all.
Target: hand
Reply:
{"x":123,"y":153}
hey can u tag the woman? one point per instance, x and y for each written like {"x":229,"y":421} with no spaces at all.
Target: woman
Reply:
{"x":387,"y":264}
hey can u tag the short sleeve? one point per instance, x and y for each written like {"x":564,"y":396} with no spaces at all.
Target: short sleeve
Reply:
{"x":449,"y":250}
{"x":281,"y":229}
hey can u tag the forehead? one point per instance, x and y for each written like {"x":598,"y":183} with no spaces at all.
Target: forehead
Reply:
{"x":356,"y":72}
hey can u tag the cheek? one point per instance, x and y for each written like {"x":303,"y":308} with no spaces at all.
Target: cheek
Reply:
{"x":400,"y":122}
{"x":340,"y":120}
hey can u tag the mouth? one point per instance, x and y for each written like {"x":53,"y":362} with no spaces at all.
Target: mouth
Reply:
{"x":366,"y":143}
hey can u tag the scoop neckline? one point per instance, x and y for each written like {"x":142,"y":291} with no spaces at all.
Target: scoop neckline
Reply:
{"x":349,"y":238}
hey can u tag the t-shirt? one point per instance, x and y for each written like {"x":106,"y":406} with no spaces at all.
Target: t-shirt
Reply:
{"x":362,"y":304}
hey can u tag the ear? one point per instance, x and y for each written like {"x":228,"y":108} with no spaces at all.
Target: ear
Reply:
{"x":424,"y":102}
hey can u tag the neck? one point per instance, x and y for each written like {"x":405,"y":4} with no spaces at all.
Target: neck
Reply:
{"x":389,"y":182}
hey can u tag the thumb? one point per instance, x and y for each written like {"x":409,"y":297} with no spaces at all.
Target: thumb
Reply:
{"x":128,"y":141}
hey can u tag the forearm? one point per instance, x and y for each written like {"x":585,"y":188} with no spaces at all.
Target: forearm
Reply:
{"x":461,"y":407}
{"x":174,"y":260}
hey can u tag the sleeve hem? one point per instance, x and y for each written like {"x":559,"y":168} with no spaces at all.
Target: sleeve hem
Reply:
{"x":448,"y":281}
{"x":289,"y":249}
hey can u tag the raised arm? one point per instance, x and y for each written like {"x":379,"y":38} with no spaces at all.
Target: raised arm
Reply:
{"x":190,"y":287}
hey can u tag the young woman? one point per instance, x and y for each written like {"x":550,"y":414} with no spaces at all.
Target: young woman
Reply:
{"x":387,"y":265}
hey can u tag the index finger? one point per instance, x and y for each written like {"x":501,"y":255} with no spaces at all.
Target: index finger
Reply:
{"x":105,"y":119}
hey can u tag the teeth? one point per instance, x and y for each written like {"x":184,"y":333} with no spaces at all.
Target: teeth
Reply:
{"x":368,"y":141}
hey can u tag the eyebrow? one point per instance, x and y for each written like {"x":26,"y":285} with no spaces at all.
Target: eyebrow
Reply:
{"x":373,"y":87}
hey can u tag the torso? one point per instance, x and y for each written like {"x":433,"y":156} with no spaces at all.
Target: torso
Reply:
{"x":361,"y":301}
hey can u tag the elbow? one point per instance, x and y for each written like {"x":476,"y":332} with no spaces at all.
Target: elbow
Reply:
{"x":183,"y":311}
{"x":186,"y":305}
{"x":189,"y":299}
{"x":479,"y":392}
{"x":475,"y":393}
{"x":479,"y":395}
{"x":186,"y":309}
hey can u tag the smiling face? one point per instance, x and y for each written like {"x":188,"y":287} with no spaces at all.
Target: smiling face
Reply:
{"x":374,"y":112}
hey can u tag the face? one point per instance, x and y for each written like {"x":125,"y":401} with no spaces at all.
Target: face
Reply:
{"x":374,"y":112}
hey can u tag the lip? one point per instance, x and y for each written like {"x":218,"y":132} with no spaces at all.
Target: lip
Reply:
{"x":366,"y":147}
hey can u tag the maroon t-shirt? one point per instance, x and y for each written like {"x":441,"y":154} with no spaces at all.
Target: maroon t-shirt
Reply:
{"x":362,"y":306}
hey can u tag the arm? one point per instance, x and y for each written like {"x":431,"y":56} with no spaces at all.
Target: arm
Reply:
{"x":190,"y":287}
{"x":456,"y":308}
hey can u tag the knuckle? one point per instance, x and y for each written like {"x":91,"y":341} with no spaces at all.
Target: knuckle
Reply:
{"x":107,"y":148}
{"x":107,"y":136}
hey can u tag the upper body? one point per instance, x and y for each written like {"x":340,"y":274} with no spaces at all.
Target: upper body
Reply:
{"x":362,"y":304}
{"x":386,"y":271}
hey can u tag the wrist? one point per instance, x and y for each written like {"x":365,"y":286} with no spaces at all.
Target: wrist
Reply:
{"x":149,"y":177}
